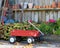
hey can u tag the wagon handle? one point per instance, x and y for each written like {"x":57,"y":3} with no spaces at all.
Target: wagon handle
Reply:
{"x":35,"y":27}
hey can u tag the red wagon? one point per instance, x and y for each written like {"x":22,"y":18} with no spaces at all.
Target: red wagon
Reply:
{"x":31,"y":35}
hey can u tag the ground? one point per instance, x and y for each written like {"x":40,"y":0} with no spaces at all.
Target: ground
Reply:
{"x":23,"y":44}
{"x":47,"y":43}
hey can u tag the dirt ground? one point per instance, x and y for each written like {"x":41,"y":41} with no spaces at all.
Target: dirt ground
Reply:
{"x":49,"y":42}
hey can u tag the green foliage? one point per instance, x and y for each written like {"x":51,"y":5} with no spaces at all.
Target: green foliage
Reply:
{"x":58,"y":23}
{"x":45,"y":28}
{"x":57,"y":32}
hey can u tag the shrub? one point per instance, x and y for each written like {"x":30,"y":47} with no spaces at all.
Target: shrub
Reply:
{"x":45,"y":28}
{"x":57,"y":32}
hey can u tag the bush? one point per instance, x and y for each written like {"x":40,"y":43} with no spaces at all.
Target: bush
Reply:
{"x":57,"y":32}
{"x":45,"y":28}
{"x":50,"y":27}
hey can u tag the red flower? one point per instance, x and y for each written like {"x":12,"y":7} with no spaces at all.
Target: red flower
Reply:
{"x":52,"y":20}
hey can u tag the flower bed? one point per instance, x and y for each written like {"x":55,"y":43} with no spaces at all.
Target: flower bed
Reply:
{"x":51,"y":27}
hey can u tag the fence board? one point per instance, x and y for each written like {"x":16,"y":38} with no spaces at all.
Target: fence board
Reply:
{"x":51,"y":14}
{"x":36,"y":16}
{"x":58,"y":14}
{"x":55,"y":15}
{"x":47,"y":16}
{"x":41,"y":15}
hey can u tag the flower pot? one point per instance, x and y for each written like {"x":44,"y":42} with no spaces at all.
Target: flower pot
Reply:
{"x":21,"y":4}
{"x":15,"y":6}
{"x":37,"y":7}
{"x":54,"y":5}
{"x":47,"y":6}
{"x":58,"y":4}
{"x":25,"y":5}
{"x":44,"y":6}
{"x":30,"y":5}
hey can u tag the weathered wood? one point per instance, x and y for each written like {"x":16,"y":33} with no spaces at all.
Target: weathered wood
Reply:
{"x":26,"y":16}
{"x":58,"y":14}
{"x":47,"y":16}
{"x":51,"y":14}
{"x":36,"y":16}
{"x":41,"y":15}
{"x":55,"y":15}
{"x":33,"y":16}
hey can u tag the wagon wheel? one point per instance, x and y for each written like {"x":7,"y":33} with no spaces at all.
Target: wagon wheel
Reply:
{"x":30,"y":40}
{"x":12,"y":39}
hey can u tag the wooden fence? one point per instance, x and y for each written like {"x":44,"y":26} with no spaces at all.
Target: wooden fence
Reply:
{"x":38,"y":16}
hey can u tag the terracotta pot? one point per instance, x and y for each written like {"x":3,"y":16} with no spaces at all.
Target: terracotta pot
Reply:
{"x":58,"y":4}
{"x":44,"y":6}
{"x":37,"y":7}
{"x":47,"y":6}
{"x":15,"y":6}
{"x":54,"y":5}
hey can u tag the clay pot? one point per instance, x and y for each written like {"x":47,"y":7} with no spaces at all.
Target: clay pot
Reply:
{"x":58,"y":4}
{"x":47,"y":6}
{"x":37,"y":7}
{"x":44,"y":6}
{"x":54,"y":5}
{"x":15,"y":6}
